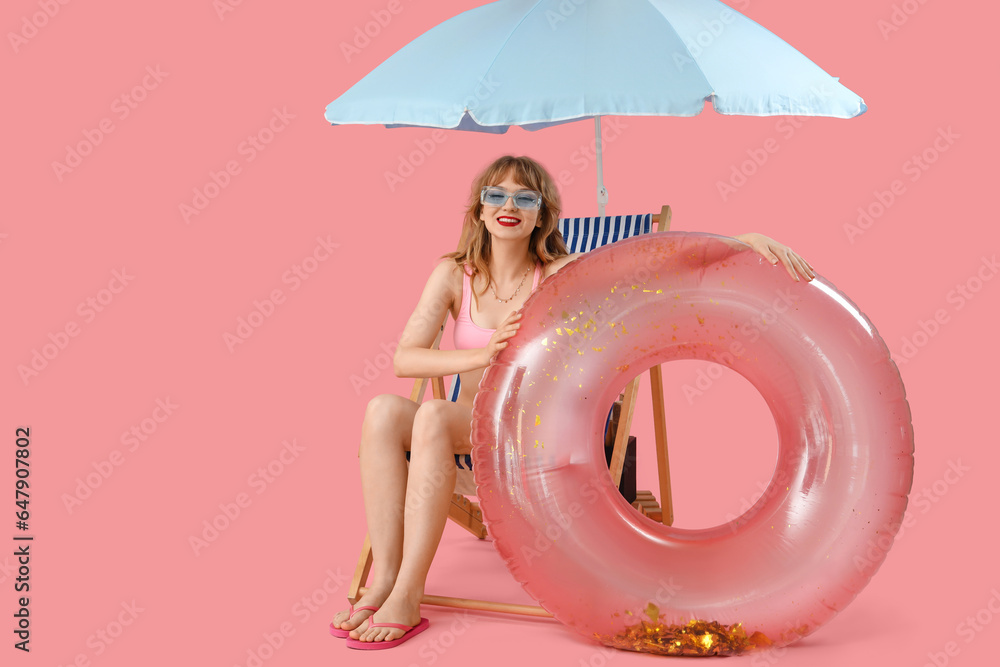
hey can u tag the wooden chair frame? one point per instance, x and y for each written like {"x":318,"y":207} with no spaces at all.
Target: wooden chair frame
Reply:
{"x":467,"y":513}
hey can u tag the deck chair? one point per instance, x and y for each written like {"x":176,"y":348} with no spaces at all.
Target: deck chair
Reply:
{"x":580,"y":235}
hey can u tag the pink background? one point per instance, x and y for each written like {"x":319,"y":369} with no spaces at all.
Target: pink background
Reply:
{"x":282,"y":565}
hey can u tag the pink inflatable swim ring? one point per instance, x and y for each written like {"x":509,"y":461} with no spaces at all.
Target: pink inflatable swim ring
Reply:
{"x":772,"y":575}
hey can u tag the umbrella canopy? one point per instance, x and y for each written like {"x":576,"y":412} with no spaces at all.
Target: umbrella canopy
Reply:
{"x":538,"y":63}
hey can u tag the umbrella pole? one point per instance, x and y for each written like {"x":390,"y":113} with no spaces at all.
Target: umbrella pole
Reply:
{"x":602,"y":193}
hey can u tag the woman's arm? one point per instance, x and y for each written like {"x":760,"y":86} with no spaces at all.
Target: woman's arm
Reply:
{"x":774,"y":252}
{"x":557,"y":264}
{"x":767,"y":247}
{"x":414,"y":357}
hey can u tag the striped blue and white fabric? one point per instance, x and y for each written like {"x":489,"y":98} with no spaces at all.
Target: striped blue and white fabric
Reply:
{"x":585,"y":234}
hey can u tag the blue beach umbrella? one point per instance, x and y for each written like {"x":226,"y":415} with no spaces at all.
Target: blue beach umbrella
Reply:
{"x":538,"y":63}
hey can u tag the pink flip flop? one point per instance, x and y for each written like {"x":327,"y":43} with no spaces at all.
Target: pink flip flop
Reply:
{"x":375,"y":646}
{"x":344,"y":634}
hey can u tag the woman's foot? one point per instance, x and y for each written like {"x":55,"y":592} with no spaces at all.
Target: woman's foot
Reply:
{"x":345,"y":621}
{"x":399,"y":607}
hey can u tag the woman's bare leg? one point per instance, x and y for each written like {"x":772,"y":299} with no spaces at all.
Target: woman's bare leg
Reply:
{"x":385,"y":438}
{"x":440,"y":430}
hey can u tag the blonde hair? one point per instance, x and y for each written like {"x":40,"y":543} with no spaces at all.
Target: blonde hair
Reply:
{"x":546,"y":243}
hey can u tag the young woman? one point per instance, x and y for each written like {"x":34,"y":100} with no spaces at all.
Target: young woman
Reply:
{"x":512,"y":243}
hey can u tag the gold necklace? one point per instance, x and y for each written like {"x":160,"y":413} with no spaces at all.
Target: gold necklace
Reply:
{"x":515,"y":291}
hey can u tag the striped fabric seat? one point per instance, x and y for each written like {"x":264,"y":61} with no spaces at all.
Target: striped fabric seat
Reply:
{"x":585,"y":234}
{"x":462,"y":461}
{"x":580,"y":235}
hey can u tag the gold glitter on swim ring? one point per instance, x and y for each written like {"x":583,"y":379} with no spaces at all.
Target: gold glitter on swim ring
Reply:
{"x":695,"y":638}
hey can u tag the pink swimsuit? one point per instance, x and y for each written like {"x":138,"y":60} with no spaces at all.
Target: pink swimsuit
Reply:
{"x":468,"y":334}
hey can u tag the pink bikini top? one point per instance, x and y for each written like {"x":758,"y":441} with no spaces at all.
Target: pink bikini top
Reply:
{"x":468,"y":334}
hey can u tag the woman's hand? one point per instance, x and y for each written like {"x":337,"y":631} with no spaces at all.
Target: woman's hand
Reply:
{"x":498,"y":340}
{"x":774,"y":252}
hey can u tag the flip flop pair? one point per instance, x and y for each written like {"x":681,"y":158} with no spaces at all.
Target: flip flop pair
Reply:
{"x":411,"y":631}
{"x":345,"y":634}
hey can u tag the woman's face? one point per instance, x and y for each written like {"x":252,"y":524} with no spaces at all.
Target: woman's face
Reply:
{"x":507,"y":222}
